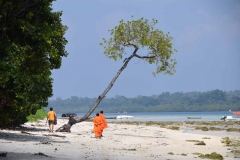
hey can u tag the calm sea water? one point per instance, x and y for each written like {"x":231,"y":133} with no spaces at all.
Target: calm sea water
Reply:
{"x":165,"y":116}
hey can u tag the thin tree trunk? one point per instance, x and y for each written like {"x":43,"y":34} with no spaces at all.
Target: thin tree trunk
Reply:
{"x":73,"y":120}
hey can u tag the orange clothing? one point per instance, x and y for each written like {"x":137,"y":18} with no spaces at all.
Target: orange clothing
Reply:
{"x":104,"y":123}
{"x":51,"y":115}
{"x":97,"y":121}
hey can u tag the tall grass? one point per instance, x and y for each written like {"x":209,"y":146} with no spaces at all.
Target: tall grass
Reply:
{"x":40,"y":114}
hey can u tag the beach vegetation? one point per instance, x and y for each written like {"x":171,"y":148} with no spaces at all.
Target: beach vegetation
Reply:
{"x":236,"y":152}
{"x":196,"y":153}
{"x":194,"y":124}
{"x":32,"y":44}
{"x":173,"y":127}
{"x":39,"y":115}
{"x":163,"y":126}
{"x":171,"y":153}
{"x":233,"y":130}
{"x":183,"y":154}
{"x":215,"y":129}
{"x":231,"y":142}
{"x":213,"y":155}
{"x":149,"y":123}
{"x":192,"y":140}
{"x":200,"y":143}
{"x":131,"y":149}
{"x":203,"y":128}
{"x":190,"y":122}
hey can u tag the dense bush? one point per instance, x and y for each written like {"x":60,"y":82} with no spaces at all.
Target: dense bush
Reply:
{"x":40,"y":114}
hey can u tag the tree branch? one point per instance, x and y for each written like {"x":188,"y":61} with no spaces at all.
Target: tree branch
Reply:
{"x":142,"y":57}
{"x":24,"y":7}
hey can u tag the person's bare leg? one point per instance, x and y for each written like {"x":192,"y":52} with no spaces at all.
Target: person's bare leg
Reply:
{"x":49,"y":127}
{"x":52,"y":127}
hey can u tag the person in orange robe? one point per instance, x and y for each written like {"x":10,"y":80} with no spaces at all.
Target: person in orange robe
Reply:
{"x":97,"y":129}
{"x":104,"y":123}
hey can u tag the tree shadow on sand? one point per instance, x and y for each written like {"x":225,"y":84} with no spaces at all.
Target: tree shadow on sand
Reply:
{"x":23,"y":134}
{"x":26,"y":156}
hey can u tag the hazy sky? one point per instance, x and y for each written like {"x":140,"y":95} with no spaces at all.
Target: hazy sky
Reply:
{"x":205,"y":33}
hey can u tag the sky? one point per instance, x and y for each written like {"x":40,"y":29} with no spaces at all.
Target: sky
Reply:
{"x":205,"y":33}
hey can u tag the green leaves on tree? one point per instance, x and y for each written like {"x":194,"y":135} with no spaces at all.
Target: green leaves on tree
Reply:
{"x":139,"y":34}
{"x":32,"y":43}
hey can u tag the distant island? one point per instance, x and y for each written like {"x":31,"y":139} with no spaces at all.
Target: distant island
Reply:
{"x":215,"y":100}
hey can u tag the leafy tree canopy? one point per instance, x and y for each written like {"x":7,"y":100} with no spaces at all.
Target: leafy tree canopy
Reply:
{"x":142,"y":34}
{"x":31,"y":45}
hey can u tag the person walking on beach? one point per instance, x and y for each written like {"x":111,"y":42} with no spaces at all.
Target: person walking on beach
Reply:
{"x":104,"y":123}
{"x":97,"y":129}
{"x":50,"y":118}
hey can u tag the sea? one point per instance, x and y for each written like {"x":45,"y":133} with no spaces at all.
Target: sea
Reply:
{"x":164,"y":116}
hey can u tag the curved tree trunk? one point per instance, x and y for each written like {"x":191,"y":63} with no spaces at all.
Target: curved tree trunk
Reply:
{"x":73,"y":120}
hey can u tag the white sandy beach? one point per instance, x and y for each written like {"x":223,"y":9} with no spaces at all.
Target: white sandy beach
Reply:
{"x":119,"y":142}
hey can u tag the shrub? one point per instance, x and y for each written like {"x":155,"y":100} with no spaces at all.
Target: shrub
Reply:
{"x":40,"y":114}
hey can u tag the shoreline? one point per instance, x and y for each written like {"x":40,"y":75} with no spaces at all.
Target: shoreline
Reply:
{"x":121,"y":140}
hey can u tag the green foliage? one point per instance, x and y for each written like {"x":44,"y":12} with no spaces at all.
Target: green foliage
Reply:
{"x":142,"y":34}
{"x":31,"y":45}
{"x":40,"y":114}
{"x":215,"y":100}
{"x":212,"y":155}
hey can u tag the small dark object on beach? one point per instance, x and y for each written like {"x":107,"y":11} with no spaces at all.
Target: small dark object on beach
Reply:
{"x":223,"y":118}
{"x":3,"y":154}
{"x":200,"y":143}
{"x":131,"y":149}
{"x":41,"y":154}
{"x":183,"y":154}
{"x":45,"y":143}
{"x":24,"y":132}
{"x":69,"y":114}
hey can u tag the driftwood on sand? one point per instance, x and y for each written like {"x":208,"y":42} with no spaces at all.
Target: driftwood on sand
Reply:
{"x":67,"y":127}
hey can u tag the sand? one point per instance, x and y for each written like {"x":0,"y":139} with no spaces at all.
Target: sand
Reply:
{"x":119,"y":142}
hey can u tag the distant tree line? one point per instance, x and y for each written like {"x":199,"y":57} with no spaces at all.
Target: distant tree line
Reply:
{"x":215,"y":100}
